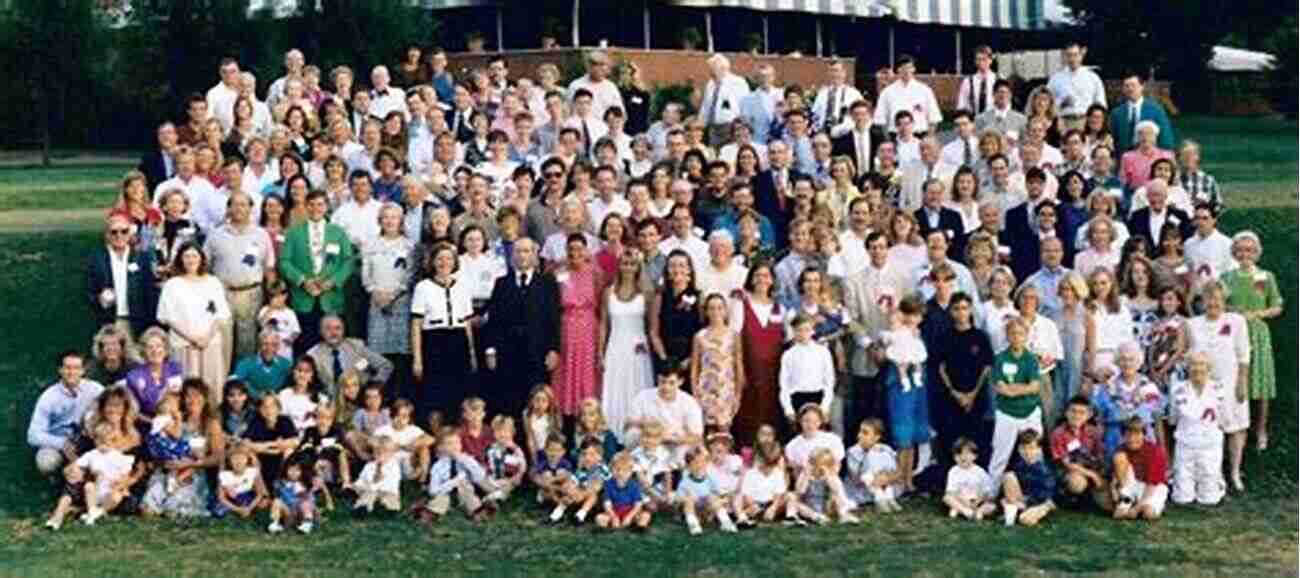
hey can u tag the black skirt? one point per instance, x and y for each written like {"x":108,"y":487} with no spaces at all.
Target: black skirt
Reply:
{"x":447,"y":377}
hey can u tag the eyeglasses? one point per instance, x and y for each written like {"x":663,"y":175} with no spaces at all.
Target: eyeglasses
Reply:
{"x":553,"y":175}
{"x":119,"y":231}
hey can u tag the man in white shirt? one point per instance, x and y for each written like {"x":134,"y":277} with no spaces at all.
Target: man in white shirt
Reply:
{"x":853,"y":241}
{"x":371,"y":140}
{"x":359,"y":217}
{"x":209,"y":210}
{"x":1001,"y":116}
{"x":911,"y":95}
{"x":681,"y":416}
{"x":720,"y":101}
{"x":722,"y":275}
{"x":669,"y":120}
{"x":221,"y":98}
{"x":964,"y":150}
{"x":683,"y":228}
{"x":759,"y":107}
{"x":193,"y":185}
{"x":259,"y":173}
{"x":831,"y":105}
{"x":293,"y":63}
{"x":1076,"y":88}
{"x":916,"y":174}
{"x":976,"y":91}
{"x":1208,"y":250}
{"x":604,"y":93}
{"x":585,"y":121}
{"x":384,"y":98}
{"x":607,"y":199}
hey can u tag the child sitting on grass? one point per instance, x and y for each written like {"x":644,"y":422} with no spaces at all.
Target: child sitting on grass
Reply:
{"x":588,"y":479}
{"x":969,"y":492}
{"x":110,"y":475}
{"x":819,"y":491}
{"x":1078,"y":450}
{"x":697,"y":494}
{"x":380,"y":480}
{"x":764,"y":488}
{"x":412,"y":441}
{"x":624,"y":505}
{"x":552,"y":470}
{"x":1141,"y":466}
{"x":871,"y":469}
{"x":295,"y":499}
{"x":506,"y":462}
{"x":458,"y":472}
{"x":1028,"y":484}
{"x":240,"y":489}
{"x":654,"y":466}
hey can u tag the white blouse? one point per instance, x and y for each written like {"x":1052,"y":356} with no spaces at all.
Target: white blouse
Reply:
{"x":387,"y":264}
{"x":192,"y":306}
{"x":480,"y":273}
{"x":442,"y":307}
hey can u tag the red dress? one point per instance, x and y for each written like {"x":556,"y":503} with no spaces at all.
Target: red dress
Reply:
{"x":576,"y":378}
{"x":761,"y":348}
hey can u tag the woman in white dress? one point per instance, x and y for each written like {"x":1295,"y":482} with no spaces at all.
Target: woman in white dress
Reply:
{"x":1222,"y":336}
{"x":626,"y":367}
{"x":192,"y":306}
{"x":1111,"y":317}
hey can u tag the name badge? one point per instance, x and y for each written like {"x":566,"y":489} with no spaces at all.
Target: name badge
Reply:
{"x":1261,"y":276}
{"x":279,"y":238}
{"x":327,"y":442}
{"x":1073,"y":446}
{"x":1181,"y":270}
{"x":1009,"y":369}
{"x":362,"y":364}
{"x":132,"y":268}
{"x":332,"y":248}
{"x":174,"y":383}
{"x":562,"y":278}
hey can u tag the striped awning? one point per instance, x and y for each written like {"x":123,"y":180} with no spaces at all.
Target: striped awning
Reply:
{"x":445,"y":4}
{"x":864,"y":8}
{"x":1015,"y":14}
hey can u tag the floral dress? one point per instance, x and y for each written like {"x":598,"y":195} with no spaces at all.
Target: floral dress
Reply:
{"x":1248,"y":292}
{"x":717,"y":391}
{"x":576,"y":378}
{"x":1117,"y":402}
{"x":1166,"y":361}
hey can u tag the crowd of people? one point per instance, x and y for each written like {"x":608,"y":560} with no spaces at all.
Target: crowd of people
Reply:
{"x":797,"y":304}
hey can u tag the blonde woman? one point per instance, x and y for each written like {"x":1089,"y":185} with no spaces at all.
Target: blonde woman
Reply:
{"x":1102,"y":251}
{"x":841,"y":191}
{"x":113,"y":354}
{"x":627,"y":365}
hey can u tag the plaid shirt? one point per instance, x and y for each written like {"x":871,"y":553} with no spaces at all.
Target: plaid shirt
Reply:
{"x":1202,"y":187}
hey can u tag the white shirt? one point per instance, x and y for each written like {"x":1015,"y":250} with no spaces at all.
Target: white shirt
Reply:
{"x":1082,"y":86}
{"x":710,"y":280}
{"x":442,"y":307}
{"x":729,"y":151}
{"x":1045,"y":340}
{"x":968,"y":96}
{"x":908,"y":151}
{"x":845,"y":95}
{"x":209,"y":210}
{"x":481,"y":273}
{"x":1113,"y":329}
{"x":221,"y":104}
{"x":195,"y":188}
{"x":802,"y":446}
{"x":598,"y":209}
{"x":993,"y":320}
{"x":394,"y":99}
{"x":970,"y":482}
{"x":121,"y":266}
{"x":680,"y":416}
{"x":953,"y":154}
{"x":853,"y":250}
{"x":360,"y":222}
{"x":726,"y":476}
{"x":590,"y":127}
{"x":807,"y":368}
{"x":1210,"y":256}
{"x":384,"y":478}
{"x":915,"y":97}
{"x":404,"y":437}
{"x":192,"y":306}
{"x":693,"y":246}
{"x":106,"y":466}
{"x":236,"y":484}
{"x":604,"y":94}
{"x":723,"y":110}
{"x":253,"y":183}
{"x":764,"y":488}
{"x":1197,"y":415}
{"x":298,"y":407}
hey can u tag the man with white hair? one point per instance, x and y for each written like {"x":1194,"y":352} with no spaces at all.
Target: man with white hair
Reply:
{"x":722,"y":275}
{"x":604,"y":93}
{"x":916,"y":174}
{"x":1147,"y":221}
{"x":833,"y":100}
{"x":293,"y":64}
{"x":385,"y":98}
{"x":720,"y":101}
{"x":261,"y":113}
{"x":221,"y":98}
{"x":759,"y":107}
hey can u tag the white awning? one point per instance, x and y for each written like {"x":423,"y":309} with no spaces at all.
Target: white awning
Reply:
{"x":864,"y":8}
{"x":1228,"y":59}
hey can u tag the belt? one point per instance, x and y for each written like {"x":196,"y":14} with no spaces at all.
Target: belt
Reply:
{"x":1078,"y":115}
{"x":239,"y":288}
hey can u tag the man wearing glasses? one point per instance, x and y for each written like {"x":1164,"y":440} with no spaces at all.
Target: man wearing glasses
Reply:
{"x":543,"y":218}
{"x":121,"y":282}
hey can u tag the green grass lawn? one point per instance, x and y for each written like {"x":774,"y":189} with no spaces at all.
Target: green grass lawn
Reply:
{"x":1252,"y":535}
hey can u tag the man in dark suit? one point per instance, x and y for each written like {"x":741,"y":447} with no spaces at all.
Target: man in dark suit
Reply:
{"x":120,"y":282}
{"x":160,"y":165}
{"x":933,"y":216}
{"x":856,"y":142}
{"x":522,"y":332}
{"x":1027,"y":248}
{"x":1147,"y":221}
{"x":771,"y":189}
{"x":458,"y":117}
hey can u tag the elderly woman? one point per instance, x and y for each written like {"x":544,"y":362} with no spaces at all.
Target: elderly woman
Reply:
{"x":1135,"y":165}
{"x":442,"y":337}
{"x":387,"y":267}
{"x":193,"y":306}
{"x":113,"y":354}
{"x":201,"y":428}
{"x":1102,"y":251}
{"x":1127,"y":395}
{"x":1102,"y":204}
{"x":1253,"y":293}
{"x":155,"y":376}
{"x":1225,"y":338}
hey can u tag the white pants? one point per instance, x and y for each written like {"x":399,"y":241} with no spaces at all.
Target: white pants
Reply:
{"x":1005,"y":430}
{"x":48,"y":461}
{"x":1134,"y":489}
{"x":1198,"y":474}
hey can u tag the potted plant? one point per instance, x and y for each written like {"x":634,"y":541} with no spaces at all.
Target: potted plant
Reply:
{"x":754,"y":43}
{"x":474,"y":41}
{"x":692,"y":38}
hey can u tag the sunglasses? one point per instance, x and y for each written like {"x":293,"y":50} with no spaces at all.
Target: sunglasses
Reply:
{"x":119,"y":231}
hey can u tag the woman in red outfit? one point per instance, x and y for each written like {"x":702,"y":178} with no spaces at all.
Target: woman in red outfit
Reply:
{"x":759,"y":319}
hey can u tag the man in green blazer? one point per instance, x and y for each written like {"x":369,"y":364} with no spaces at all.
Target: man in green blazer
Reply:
{"x":1134,"y":109}
{"x":315,"y":262}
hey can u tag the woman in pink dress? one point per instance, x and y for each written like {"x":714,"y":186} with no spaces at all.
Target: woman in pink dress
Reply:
{"x":576,"y":378}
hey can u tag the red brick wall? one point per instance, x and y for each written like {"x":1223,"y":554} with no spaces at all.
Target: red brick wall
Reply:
{"x":661,"y":66}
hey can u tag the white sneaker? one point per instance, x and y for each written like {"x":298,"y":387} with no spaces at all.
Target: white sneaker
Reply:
{"x":275,"y":528}
{"x":952,"y":513}
{"x":496,"y":496}
{"x":172,"y":484}
{"x":694,"y":527}
{"x":1009,"y":515}
{"x":821,"y":519}
{"x":51,"y":524}
{"x":305,"y":527}
{"x":847,"y":518}
{"x":894,"y":506}
{"x":92,"y":516}
{"x":557,"y":514}
{"x":729,"y":527}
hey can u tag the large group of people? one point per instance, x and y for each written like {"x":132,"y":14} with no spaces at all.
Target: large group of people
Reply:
{"x":797,"y":304}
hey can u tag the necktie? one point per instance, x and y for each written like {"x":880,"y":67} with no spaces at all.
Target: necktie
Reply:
{"x":338,"y":365}
{"x":715,"y":105}
{"x":966,"y":152}
{"x":586,"y":135}
{"x":455,"y":469}
{"x":832,"y":109}
{"x":1133,"y":119}
{"x":982,"y":98}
